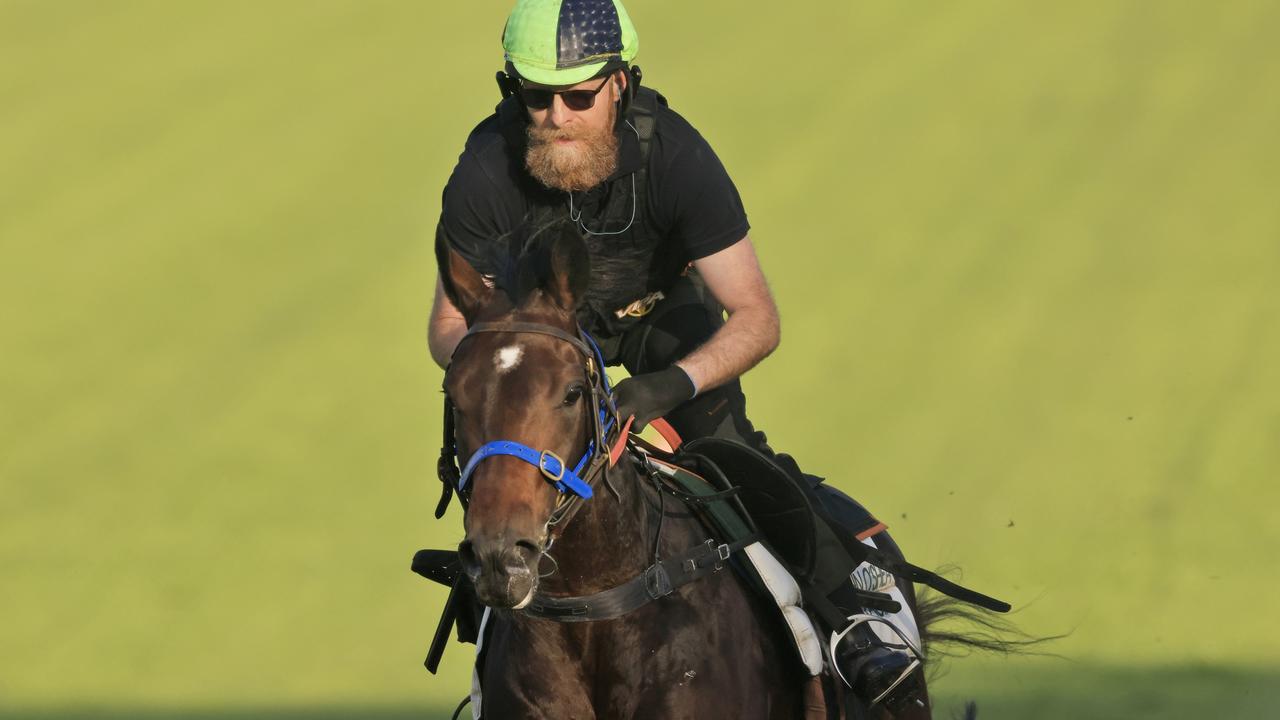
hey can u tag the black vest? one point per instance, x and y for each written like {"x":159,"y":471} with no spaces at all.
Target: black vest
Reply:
{"x":628,"y":261}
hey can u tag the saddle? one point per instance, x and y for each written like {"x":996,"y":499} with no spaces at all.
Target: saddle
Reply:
{"x":782,"y":509}
{"x":819,"y":550}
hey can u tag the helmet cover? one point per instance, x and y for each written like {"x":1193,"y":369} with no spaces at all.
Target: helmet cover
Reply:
{"x":564,"y":42}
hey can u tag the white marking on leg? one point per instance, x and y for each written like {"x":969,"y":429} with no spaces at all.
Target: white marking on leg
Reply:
{"x":508,"y":357}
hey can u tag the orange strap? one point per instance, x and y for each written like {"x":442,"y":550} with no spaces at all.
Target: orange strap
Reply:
{"x":663,"y":427}
{"x":876,"y":529}
{"x":668,"y":433}
{"x":615,"y":452}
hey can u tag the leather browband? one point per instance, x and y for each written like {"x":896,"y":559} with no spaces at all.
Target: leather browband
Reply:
{"x":514,"y":326}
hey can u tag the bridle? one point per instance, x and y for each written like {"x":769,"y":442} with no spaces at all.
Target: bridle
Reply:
{"x":576,"y":483}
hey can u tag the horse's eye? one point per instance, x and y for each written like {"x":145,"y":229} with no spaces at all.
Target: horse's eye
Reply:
{"x":573,"y":396}
{"x":452,"y":405}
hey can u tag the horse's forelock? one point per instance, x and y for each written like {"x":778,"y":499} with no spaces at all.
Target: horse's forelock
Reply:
{"x":551,"y":262}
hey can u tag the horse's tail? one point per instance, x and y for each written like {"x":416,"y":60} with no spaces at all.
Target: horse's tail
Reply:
{"x":953,"y":628}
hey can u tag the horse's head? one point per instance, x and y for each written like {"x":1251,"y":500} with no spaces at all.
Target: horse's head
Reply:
{"x":527,"y":387}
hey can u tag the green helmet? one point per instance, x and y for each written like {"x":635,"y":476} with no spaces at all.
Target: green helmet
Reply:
{"x":563,"y":42}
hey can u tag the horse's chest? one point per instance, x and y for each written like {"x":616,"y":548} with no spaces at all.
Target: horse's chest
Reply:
{"x":670,"y":659}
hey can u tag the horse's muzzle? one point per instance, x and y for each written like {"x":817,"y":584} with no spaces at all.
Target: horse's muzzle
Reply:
{"x":504,"y":573}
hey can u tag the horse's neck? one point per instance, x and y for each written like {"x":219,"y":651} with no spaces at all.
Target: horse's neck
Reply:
{"x":608,"y":541}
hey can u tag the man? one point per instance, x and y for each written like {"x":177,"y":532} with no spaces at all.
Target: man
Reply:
{"x":668,"y":237}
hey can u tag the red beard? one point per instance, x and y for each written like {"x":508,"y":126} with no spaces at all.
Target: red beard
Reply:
{"x":577,"y":167}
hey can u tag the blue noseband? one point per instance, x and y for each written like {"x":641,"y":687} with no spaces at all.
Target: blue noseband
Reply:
{"x":552,"y":467}
{"x":563,"y":478}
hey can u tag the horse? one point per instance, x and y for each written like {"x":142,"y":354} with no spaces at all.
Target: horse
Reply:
{"x":529,"y":396}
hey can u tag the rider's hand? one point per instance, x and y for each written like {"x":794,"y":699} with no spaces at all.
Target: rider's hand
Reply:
{"x":652,"y":395}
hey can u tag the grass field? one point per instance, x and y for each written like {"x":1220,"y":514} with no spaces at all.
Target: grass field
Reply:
{"x":1027,"y":255}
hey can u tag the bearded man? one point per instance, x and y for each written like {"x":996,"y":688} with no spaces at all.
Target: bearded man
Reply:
{"x":575,"y":139}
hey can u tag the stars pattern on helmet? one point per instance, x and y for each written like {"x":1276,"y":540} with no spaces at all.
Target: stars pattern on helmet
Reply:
{"x":587,"y":29}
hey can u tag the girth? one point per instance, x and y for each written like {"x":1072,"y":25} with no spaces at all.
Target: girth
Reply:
{"x":657,"y":581}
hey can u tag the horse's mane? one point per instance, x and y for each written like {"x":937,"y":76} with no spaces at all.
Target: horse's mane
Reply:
{"x":527,"y":265}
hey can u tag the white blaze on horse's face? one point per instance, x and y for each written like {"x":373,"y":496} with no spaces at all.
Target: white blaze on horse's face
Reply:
{"x":508,"y":358}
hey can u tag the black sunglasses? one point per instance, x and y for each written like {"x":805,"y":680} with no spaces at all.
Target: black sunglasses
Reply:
{"x":576,"y":100}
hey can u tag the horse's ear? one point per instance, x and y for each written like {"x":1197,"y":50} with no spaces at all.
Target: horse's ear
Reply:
{"x":570,"y":269}
{"x":463,"y":284}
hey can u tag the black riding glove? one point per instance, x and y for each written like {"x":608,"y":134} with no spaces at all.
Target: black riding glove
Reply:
{"x":652,"y":395}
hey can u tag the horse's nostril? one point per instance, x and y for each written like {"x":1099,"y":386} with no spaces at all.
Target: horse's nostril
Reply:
{"x":528,"y":546}
{"x":467,"y":554}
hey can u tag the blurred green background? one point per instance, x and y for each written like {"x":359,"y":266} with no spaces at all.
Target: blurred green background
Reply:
{"x":1027,"y":255}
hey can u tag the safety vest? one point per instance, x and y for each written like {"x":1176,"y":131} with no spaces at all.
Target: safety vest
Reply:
{"x":615,"y":220}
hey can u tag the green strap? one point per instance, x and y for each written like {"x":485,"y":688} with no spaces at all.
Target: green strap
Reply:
{"x":723,"y":515}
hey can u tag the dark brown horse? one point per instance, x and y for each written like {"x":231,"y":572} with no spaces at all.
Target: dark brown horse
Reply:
{"x":709,"y":649}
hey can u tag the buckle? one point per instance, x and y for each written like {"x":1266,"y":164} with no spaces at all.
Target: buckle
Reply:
{"x":721,"y":551}
{"x":656,"y":581}
{"x":542,"y":465}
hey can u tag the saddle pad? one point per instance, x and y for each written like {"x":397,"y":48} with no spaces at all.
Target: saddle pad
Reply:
{"x":724,"y":520}
{"x":786,"y":594}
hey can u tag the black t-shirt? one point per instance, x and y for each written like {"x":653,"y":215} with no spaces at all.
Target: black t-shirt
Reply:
{"x":692,"y":209}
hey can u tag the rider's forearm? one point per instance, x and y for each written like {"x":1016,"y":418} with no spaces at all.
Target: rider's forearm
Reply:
{"x":749,"y":335}
{"x":443,"y":335}
{"x":445,"y":329}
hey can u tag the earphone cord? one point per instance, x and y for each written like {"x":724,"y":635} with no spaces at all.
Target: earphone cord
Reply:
{"x":577,"y":217}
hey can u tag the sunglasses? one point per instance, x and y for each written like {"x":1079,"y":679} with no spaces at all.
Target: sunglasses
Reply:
{"x":576,"y":100}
